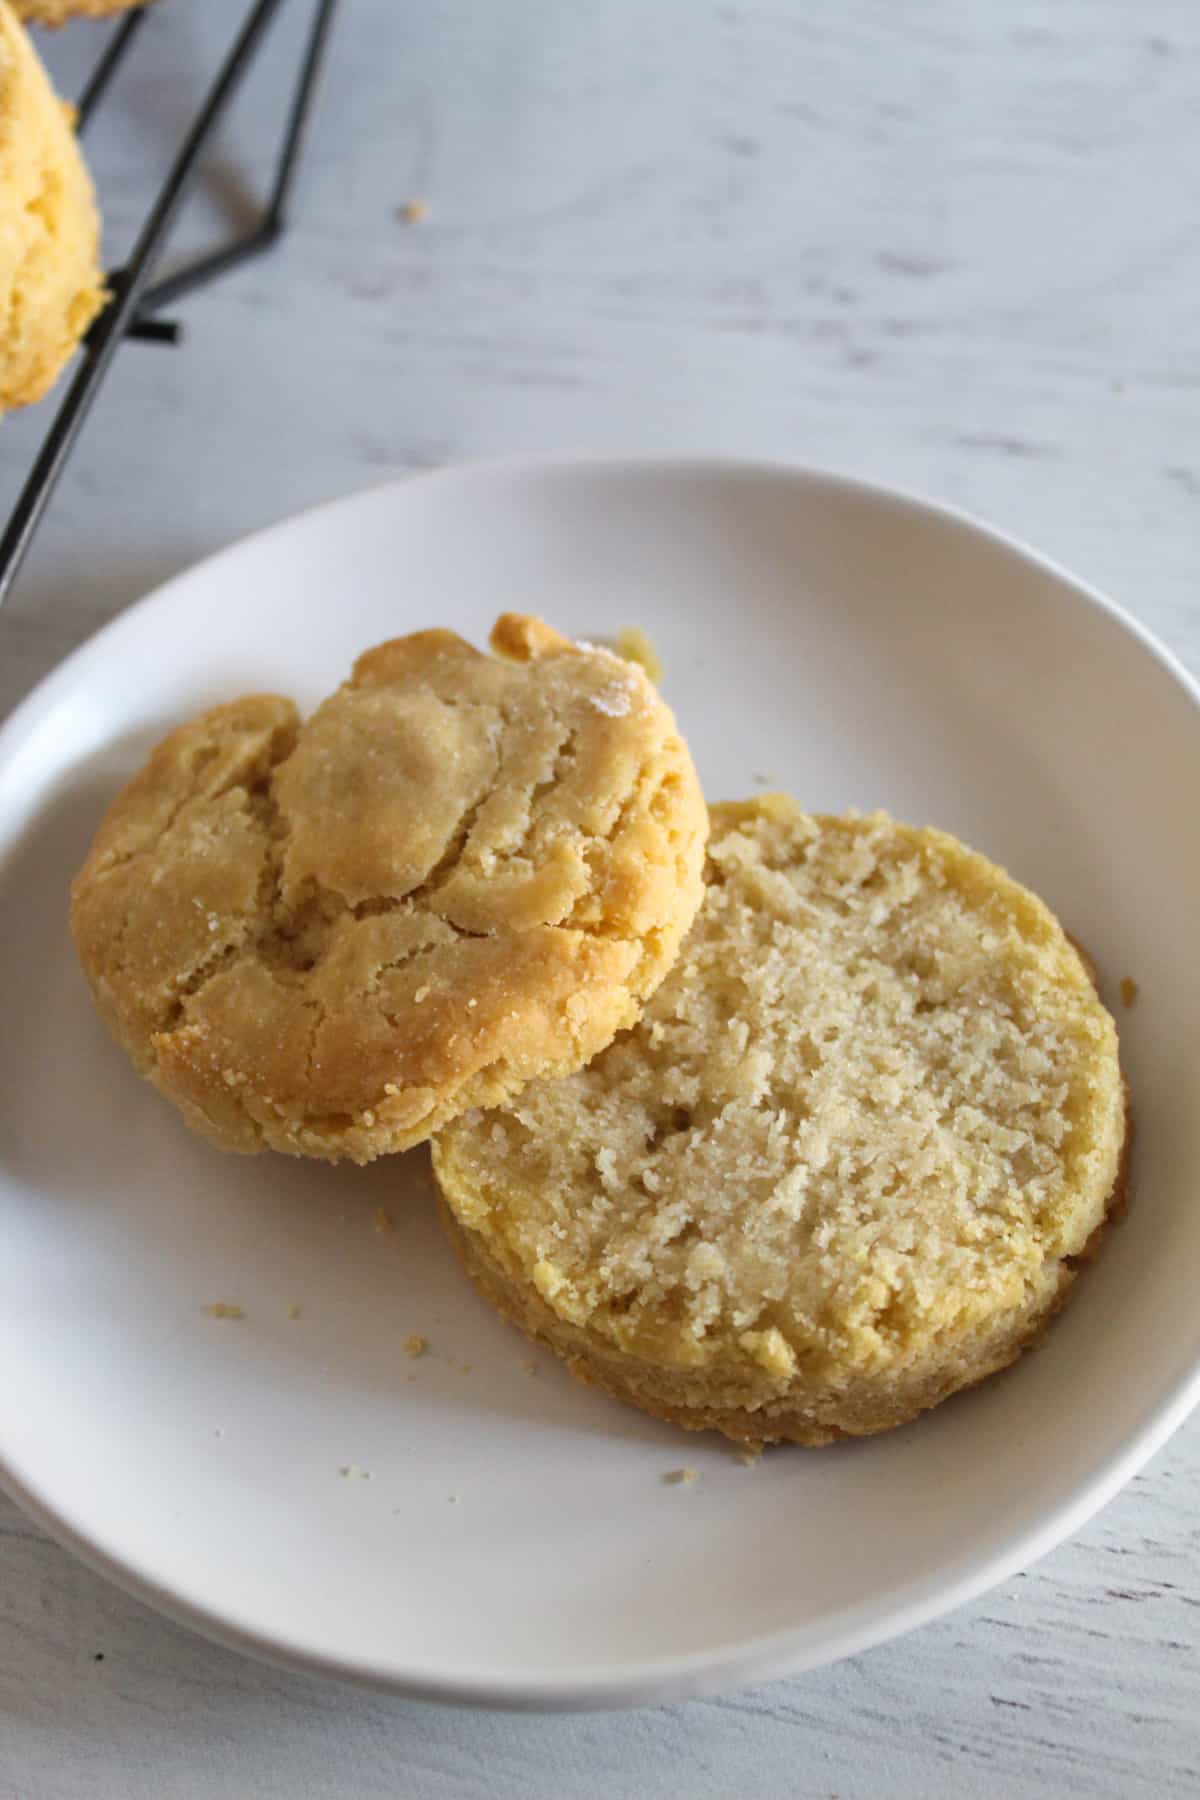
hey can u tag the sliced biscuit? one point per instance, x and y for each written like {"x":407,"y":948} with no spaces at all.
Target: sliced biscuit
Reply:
{"x":844,"y":1164}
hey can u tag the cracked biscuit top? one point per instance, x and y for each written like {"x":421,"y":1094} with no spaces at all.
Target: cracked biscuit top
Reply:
{"x":460,"y":873}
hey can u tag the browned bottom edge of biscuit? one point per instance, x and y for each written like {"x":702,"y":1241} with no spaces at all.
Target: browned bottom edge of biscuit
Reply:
{"x":786,"y":1420}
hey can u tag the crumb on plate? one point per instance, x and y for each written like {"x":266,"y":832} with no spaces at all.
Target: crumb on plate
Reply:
{"x":636,"y":645}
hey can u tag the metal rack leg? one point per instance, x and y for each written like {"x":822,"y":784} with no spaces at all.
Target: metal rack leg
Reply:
{"x":274,"y":218}
{"x":106,"y":68}
{"x":131,"y":284}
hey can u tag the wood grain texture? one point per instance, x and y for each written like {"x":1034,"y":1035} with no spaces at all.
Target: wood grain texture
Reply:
{"x":947,"y":245}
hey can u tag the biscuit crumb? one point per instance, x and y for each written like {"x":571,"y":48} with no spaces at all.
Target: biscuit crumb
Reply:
{"x":531,"y":1368}
{"x":635,"y":645}
{"x":382,"y":1219}
{"x":293,"y":1311}
{"x":749,"y":1455}
{"x":224,"y":1309}
{"x":680,"y":1477}
{"x":1129,"y":990}
{"x":415,"y":1344}
{"x":414,"y":211}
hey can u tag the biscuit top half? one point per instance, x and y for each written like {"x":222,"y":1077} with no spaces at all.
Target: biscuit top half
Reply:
{"x":461,"y":872}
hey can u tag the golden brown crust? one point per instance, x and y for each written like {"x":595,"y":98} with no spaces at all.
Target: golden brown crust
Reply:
{"x":57,"y":12}
{"x":525,"y":639}
{"x":862,"y":1414}
{"x":459,"y":874}
{"x":51,"y":287}
{"x":698,"y":1403}
{"x":846,"y":1164}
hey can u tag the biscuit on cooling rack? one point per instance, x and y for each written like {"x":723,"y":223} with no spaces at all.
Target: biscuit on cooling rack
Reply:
{"x":57,"y":12}
{"x":51,"y":287}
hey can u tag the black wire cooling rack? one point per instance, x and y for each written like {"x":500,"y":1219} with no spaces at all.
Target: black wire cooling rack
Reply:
{"x":135,"y":303}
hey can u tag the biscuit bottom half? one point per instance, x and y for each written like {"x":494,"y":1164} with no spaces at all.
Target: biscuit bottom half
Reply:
{"x":848,"y":1162}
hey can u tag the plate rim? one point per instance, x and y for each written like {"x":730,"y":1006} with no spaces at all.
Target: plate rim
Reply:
{"x":744,"y":1661}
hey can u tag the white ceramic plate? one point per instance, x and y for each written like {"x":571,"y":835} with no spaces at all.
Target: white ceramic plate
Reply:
{"x":505,"y":1535}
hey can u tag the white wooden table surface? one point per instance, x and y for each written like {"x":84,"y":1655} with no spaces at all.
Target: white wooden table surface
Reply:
{"x":947,"y":243}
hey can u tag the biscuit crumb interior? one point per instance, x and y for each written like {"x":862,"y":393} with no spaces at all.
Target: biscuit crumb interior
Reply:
{"x":874,"y":1103}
